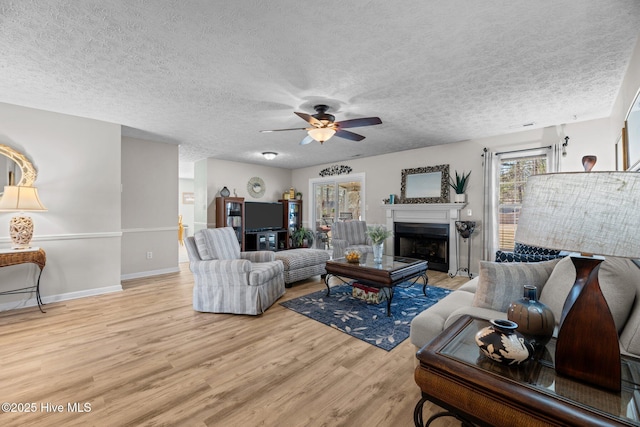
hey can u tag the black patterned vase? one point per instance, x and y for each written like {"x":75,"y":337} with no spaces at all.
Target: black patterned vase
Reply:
{"x":535,"y":320}
{"x":502,"y":343}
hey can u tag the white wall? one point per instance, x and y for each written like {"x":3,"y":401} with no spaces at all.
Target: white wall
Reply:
{"x":149,"y":208}
{"x":78,"y":164}
{"x":235,"y":176}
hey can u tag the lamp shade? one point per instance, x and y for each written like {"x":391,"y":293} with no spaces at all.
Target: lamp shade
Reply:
{"x":589,"y":212}
{"x":20,"y":199}
{"x":321,"y":134}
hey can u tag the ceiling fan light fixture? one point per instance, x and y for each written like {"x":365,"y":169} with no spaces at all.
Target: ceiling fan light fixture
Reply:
{"x":269,"y":155}
{"x":321,"y":134}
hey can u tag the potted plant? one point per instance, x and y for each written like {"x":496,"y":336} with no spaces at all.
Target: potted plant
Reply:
{"x":378,"y":234}
{"x":298,"y":196}
{"x":302,"y":238}
{"x":459,"y":185}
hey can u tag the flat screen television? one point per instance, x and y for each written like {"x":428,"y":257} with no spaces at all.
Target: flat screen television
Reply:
{"x":261,"y":216}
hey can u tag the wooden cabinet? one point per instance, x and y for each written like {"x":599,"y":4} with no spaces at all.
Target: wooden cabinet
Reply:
{"x":266,"y":240}
{"x":230,"y":213}
{"x":292,"y":217}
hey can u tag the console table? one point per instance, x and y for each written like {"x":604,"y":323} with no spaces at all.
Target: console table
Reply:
{"x":454,"y":375}
{"x":35,"y":256}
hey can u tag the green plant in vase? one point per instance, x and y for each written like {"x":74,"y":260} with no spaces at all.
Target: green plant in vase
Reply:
{"x":459,"y":185}
{"x":378,"y":234}
{"x":301,"y":236}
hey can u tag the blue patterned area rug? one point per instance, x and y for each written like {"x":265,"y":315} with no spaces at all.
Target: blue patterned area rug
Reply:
{"x":367,"y":321}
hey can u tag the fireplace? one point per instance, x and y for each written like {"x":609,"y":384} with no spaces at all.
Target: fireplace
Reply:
{"x":423,"y":241}
{"x":428,"y":215}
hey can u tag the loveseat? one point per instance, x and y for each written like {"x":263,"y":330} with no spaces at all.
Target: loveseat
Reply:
{"x":488,"y":296}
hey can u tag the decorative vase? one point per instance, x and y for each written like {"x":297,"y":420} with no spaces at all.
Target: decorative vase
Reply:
{"x":378,"y":249}
{"x":502,"y":343}
{"x":459,"y":198}
{"x":225,"y":192}
{"x":535,"y":320}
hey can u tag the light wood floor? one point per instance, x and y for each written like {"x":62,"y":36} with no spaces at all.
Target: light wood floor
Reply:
{"x":144,"y":357}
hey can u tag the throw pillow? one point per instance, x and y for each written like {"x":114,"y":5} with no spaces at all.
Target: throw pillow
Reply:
{"x":521,"y":248}
{"x":201,"y":245}
{"x":502,"y":283}
{"x":617,"y":278}
{"x":502,"y":256}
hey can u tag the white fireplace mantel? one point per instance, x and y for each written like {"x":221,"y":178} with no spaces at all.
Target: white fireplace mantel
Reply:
{"x":435,"y":213}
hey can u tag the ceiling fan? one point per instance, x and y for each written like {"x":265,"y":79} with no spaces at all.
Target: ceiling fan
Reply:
{"x":324,"y":126}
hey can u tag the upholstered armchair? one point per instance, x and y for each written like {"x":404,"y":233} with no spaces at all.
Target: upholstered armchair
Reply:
{"x":230,"y":281}
{"x":350,"y":235}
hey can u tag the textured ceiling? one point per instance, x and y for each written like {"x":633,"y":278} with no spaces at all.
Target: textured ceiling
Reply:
{"x":210,"y":74}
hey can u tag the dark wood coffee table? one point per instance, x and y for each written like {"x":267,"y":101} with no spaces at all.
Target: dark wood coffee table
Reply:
{"x":384,"y":276}
{"x":454,"y":375}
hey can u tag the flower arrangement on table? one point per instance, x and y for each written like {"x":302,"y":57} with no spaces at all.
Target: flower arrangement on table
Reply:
{"x":378,"y":233}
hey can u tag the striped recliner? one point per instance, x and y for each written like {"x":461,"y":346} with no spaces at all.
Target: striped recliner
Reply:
{"x":350,"y":235}
{"x":230,"y":281}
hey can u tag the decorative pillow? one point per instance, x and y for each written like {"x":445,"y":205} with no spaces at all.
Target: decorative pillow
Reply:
{"x":502,"y":283}
{"x":521,"y":248}
{"x":617,"y":278}
{"x":502,"y":256}
{"x":201,"y":245}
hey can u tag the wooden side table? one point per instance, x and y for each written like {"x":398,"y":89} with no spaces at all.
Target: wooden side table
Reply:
{"x":35,"y":256}
{"x":454,"y":375}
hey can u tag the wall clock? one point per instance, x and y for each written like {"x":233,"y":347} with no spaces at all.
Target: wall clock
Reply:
{"x":256,"y":187}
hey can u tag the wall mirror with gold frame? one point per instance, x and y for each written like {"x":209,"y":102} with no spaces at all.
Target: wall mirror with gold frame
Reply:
{"x":429,"y":184}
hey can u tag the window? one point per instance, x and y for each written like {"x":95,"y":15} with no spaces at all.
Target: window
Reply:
{"x":513,"y":176}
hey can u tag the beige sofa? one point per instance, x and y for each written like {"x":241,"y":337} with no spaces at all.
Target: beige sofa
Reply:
{"x":488,"y":295}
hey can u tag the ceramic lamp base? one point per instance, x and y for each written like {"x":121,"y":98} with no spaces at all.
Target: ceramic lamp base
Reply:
{"x":21,"y":231}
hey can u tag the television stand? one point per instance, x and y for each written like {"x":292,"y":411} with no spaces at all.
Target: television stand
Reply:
{"x":269,"y":240}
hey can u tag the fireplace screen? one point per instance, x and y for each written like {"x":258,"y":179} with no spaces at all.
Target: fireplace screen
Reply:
{"x":423,"y":241}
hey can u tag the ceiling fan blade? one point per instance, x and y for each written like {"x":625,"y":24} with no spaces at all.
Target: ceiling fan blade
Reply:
{"x":306,"y":140}
{"x":280,"y":130}
{"x":309,"y":118}
{"x":349,"y":135}
{"x":354,"y":123}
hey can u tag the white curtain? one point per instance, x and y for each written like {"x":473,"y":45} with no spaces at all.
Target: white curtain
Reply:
{"x":553,"y":158}
{"x":490,"y":240}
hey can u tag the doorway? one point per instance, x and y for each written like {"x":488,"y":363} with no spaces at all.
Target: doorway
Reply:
{"x":335,"y":199}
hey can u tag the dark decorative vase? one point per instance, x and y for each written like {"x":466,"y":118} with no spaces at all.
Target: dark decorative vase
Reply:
{"x":502,"y":343}
{"x":535,"y":320}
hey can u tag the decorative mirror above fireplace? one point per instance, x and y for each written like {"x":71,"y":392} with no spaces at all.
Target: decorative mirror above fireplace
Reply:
{"x":428,"y":184}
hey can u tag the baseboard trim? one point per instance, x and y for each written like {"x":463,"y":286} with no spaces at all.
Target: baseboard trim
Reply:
{"x":150,"y":273}
{"x":31,"y":302}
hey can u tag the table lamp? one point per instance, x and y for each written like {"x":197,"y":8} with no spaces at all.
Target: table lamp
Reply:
{"x":591,"y":213}
{"x":20,"y":199}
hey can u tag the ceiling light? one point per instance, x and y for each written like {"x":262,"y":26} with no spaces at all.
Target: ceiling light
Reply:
{"x":269,"y":155}
{"x":321,"y":134}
